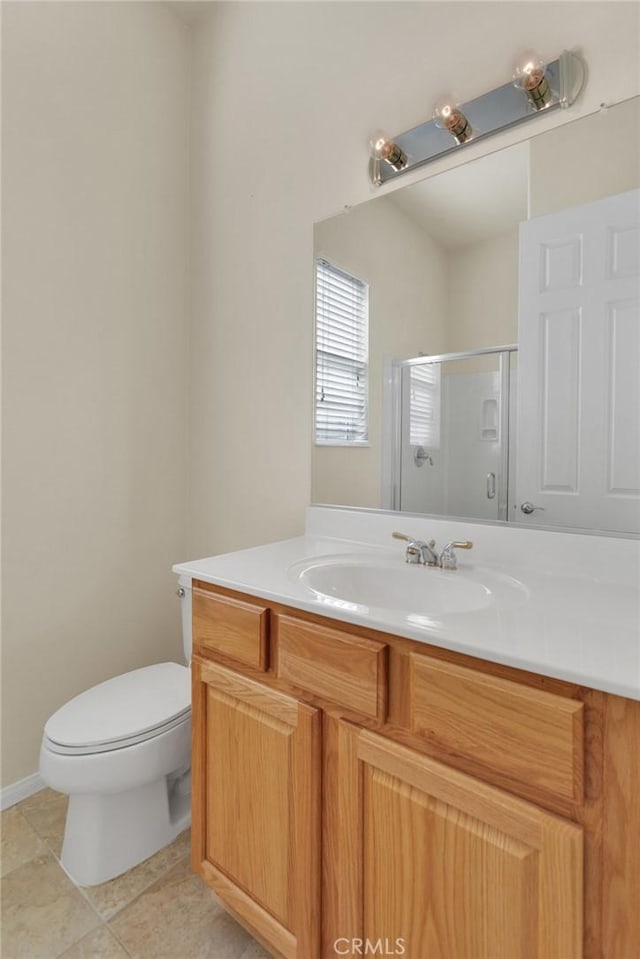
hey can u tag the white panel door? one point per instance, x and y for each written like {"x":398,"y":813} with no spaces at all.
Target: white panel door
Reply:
{"x":579,"y":367}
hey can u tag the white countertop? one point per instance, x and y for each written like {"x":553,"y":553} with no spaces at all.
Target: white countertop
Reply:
{"x":579,"y":620}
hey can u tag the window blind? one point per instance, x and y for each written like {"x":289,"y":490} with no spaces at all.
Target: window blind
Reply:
{"x":424,"y":406}
{"x":342,"y":347}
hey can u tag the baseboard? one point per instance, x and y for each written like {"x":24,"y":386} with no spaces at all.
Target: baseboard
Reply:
{"x":16,"y":792}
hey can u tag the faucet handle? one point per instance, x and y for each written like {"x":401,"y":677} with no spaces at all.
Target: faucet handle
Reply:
{"x":414,"y":539}
{"x":413,"y":554}
{"x":448,"y":558}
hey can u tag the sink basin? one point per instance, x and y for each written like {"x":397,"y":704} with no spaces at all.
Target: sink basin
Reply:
{"x":366,"y":582}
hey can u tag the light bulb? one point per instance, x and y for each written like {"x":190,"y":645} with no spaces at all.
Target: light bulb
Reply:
{"x":448,"y":116}
{"x":530,"y":76}
{"x":383,"y":148}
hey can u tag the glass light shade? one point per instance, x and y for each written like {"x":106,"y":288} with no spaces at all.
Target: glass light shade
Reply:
{"x":530,"y":76}
{"x":384,"y":148}
{"x":448,"y":116}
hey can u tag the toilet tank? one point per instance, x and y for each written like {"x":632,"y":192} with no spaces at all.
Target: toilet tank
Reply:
{"x":184,"y":592}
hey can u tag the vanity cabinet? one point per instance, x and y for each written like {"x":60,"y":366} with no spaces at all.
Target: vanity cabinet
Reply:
{"x":350,"y":786}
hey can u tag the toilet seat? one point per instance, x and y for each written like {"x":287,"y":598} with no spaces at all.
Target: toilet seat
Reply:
{"x":128,"y":709}
{"x":90,"y":750}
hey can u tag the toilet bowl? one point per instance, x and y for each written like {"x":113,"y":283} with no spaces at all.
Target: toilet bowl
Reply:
{"x":121,"y":752}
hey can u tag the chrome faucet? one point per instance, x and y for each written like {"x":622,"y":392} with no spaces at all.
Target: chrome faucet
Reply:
{"x":420,"y":553}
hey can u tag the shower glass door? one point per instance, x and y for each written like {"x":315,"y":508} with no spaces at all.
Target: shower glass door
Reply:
{"x":454,"y":450}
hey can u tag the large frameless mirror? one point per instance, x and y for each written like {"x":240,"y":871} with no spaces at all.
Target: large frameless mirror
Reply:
{"x":488,"y":365}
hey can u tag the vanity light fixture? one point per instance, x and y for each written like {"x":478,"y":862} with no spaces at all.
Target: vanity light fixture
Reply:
{"x":448,"y":116}
{"x":535,"y":89}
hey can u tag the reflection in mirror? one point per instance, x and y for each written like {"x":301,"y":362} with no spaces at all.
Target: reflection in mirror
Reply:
{"x":444,"y":262}
{"x":455,"y":450}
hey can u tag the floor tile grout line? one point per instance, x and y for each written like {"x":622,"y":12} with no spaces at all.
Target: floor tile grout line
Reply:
{"x":27,"y":861}
{"x":117,"y":938}
{"x":135,"y":899}
{"x":78,"y":889}
{"x":50,"y":852}
{"x":91,"y":932}
{"x":72,"y":881}
{"x":85,"y":896}
{"x":147,"y":888}
{"x":56,"y":800}
{"x":42,"y":838}
{"x":103,"y":922}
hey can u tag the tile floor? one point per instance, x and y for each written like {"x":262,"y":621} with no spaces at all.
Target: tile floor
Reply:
{"x":158,"y":910}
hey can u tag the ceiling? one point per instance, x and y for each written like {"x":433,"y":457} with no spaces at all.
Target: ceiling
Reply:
{"x":472,"y":202}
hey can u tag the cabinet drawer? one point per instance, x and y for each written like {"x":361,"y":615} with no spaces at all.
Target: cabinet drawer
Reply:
{"x":342,"y":668}
{"x":232,"y":627}
{"x":526,"y":734}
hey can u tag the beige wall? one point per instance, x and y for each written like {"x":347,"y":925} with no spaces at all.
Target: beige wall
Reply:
{"x":588,"y":161}
{"x":483,"y":294}
{"x":95,"y":297}
{"x":287,"y":95}
{"x":406,"y":273}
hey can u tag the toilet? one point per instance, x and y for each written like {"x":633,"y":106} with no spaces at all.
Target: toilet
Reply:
{"x":121,"y":751}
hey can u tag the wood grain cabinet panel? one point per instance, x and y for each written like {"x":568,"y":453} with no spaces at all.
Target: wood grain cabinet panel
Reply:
{"x":256,"y":806}
{"x":525,"y":734}
{"x":342,"y":668}
{"x":450,"y":866}
{"x":232,"y":627}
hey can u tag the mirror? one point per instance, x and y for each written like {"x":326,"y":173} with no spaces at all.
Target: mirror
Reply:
{"x":452,"y":264}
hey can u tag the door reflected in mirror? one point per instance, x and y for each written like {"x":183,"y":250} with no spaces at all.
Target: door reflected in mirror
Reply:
{"x":516,"y":249}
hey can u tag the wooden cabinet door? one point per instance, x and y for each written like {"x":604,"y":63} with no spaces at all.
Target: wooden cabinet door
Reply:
{"x":256,"y":806}
{"x":437,"y":865}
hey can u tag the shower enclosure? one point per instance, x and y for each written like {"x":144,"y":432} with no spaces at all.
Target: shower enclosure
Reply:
{"x":453,"y":433}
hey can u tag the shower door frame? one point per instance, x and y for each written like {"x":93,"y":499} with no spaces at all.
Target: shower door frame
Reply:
{"x":504,"y":370}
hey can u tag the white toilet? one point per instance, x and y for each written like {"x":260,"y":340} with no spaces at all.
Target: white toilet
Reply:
{"x":121,"y":751}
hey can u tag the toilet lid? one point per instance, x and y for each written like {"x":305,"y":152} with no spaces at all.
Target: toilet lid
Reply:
{"x":123,"y":707}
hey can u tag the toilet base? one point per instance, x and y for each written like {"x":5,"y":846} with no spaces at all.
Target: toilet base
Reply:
{"x":107,"y":834}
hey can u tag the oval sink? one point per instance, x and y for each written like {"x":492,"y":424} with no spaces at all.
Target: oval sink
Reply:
{"x":412,"y":590}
